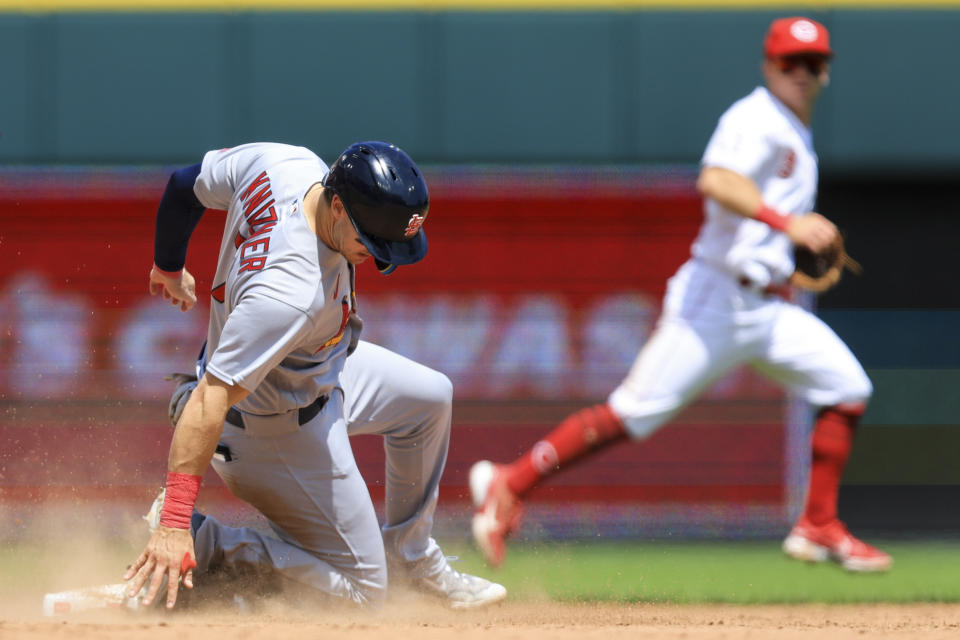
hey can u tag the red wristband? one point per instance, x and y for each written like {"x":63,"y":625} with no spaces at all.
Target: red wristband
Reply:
{"x":772,"y":217}
{"x":168,"y":274}
{"x":182,"y":490}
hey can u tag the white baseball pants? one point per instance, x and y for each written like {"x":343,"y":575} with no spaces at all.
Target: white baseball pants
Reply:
{"x":710,"y":324}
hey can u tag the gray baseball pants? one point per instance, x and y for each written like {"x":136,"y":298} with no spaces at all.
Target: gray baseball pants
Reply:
{"x":307,"y":485}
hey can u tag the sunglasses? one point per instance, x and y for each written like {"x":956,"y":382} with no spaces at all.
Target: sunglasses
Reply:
{"x":814,"y":64}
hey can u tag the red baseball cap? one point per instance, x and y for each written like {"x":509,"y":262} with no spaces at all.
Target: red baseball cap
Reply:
{"x":792,"y":36}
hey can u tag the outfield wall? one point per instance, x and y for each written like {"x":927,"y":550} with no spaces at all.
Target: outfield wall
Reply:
{"x":539,"y":288}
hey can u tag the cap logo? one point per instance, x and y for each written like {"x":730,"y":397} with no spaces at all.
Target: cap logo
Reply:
{"x":416,"y":221}
{"x":804,"y":31}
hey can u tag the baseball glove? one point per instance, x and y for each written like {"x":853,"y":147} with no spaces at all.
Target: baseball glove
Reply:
{"x":818,"y":272}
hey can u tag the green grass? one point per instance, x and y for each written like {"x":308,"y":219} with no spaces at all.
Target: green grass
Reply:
{"x":754,"y":572}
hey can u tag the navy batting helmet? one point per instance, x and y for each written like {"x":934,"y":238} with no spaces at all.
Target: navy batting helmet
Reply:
{"x":386,"y":199}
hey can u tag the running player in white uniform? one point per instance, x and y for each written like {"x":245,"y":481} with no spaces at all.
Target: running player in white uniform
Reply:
{"x":284,"y":380}
{"x":722,"y":309}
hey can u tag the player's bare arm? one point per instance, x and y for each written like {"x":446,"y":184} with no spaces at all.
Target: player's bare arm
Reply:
{"x":195,"y":438}
{"x":178,"y":288}
{"x":734,"y":191}
{"x":739,"y":194}
{"x":170,"y":550}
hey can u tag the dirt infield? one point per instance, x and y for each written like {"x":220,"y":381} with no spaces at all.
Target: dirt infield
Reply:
{"x":516,"y":620}
{"x":50,"y":562}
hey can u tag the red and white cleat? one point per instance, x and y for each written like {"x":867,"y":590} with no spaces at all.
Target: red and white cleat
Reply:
{"x":499,"y":511}
{"x":832,"y":541}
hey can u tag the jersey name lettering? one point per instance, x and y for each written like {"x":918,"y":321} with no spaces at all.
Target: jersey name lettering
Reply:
{"x":788,"y":164}
{"x":261,"y":217}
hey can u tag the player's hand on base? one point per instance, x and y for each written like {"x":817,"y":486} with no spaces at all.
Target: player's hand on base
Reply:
{"x":169,"y":553}
{"x":179,"y":290}
{"x":812,"y":231}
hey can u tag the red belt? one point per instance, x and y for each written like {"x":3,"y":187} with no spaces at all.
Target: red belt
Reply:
{"x":783,"y":290}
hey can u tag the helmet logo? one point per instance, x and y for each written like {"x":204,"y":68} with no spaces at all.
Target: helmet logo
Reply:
{"x":416,"y":221}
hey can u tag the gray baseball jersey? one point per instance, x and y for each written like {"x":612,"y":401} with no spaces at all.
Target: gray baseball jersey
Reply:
{"x":282,"y":319}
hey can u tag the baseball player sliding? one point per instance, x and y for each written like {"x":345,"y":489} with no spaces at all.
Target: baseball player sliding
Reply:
{"x":723,"y":307}
{"x":284,"y":380}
